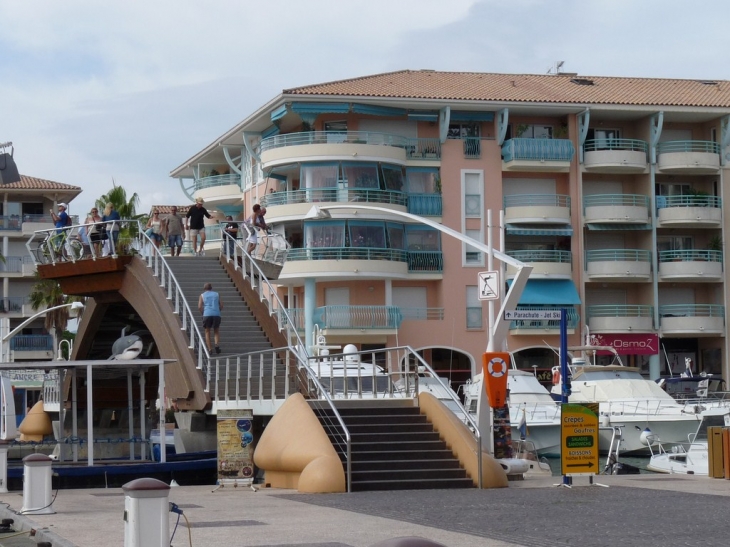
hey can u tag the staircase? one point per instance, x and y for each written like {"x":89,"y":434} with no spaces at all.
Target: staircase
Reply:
{"x":393,"y":448}
{"x":240,"y":332}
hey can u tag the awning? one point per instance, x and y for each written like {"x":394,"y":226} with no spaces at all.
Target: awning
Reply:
{"x":320,"y":108}
{"x":542,"y":230}
{"x":607,"y":227}
{"x":554,"y":292}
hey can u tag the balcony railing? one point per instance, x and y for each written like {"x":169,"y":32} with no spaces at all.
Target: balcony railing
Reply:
{"x":573,"y":318}
{"x":536,"y":200}
{"x":633,"y":145}
{"x":344,"y":195}
{"x":422,"y":314}
{"x":426,"y":205}
{"x":540,"y":255}
{"x":538,"y":150}
{"x":666,"y":202}
{"x":14,"y":264}
{"x":425,"y":262}
{"x":691,"y":255}
{"x":615,"y":200}
{"x":620,"y":310}
{"x":12,"y":304}
{"x":692,"y":310}
{"x":357,"y":317}
{"x":31,"y":342}
{"x":348,"y":253}
{"x":472,"y":147}
{"x":618,"y":255}
{"x":709,"y":147}
{"x":414,"y":148}
{"x":217,"y":180}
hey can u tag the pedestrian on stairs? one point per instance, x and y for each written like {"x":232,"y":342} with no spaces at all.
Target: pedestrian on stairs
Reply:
{"x":210,"y":306}
{"x":196,"y":225}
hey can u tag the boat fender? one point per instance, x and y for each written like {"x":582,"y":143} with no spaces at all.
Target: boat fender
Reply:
{"x":605,"y":420}
{"x":514,"y":466}
{"x":647,"y":438}
{"x":556,"y":375}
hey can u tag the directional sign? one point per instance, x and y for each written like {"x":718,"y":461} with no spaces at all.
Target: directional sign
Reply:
{"x":534,"y":315}
{"x":488,"y":285}
{"x":579,"y":439}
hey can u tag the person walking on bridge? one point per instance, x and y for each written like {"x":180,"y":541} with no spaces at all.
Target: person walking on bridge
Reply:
{"x":210,"y":306}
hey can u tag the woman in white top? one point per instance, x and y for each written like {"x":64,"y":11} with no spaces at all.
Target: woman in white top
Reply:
{"x":154,"y":225}
{"x":94,"y":231}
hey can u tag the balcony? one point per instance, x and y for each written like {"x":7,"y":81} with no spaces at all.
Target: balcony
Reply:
{"x":615,"y":156}
{"x":690,"y":265}
{"x":425,"y":205}
{"x":17,"y":266}
{"x":618,"y":264}
{"x":312,"y":145}
{"x":542,"y":327}
{"x":537,"y":208}
{"x":299,"y":202}
{"x":346,"y":262}
{"x":692,"y":320}
{"x":425,"y":262}
{"x":617,"y":209}
{"x":375,"y":317}
{"x":620,"y":318}
{"x":32,"y":346}
{"x":219,"y":189}
{"x":688,"y":157}
{"x":13,"y":305}
{"x":545,"y":263}
{"x":690,"y":211}
{"x":537,"y":155}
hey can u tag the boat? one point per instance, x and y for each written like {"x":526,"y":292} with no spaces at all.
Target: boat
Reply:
{"x":528,"y":398}
{"x":538,"y":466}
{"x":647,"y":413}
{"x":691,"y":458}
{"x":699,"y":387}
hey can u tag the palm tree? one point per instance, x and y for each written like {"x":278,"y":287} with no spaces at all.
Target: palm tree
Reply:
{"x":47,"y":293}
{"x":127,"y":208}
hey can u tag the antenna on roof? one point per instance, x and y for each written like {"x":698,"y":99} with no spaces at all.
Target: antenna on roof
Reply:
{"x":555,"y":69}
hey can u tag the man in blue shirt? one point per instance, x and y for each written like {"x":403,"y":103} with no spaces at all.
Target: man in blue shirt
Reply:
{"x":210,"y":306}
{"x":60,"y":220}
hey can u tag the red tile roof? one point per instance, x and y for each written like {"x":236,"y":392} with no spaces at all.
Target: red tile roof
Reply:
{"x":546,"y":88}
{"x":33,"y":183}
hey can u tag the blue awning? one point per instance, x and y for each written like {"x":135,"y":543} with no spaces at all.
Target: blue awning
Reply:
{"x":377,"y":110}
{"x":608,"y":227}
{"x":527,"y":230}
{"x":554,"y":292}
{"x":279,"y":113}
{"x":320,"y":108}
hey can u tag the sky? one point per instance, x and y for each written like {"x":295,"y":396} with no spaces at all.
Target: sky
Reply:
{"x":94,"y":93}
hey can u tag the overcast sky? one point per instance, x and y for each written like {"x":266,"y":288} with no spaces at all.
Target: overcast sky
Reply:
{"x":93,"y":90}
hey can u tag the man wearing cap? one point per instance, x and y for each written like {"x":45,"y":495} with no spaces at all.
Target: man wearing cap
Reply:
{"x":61,"y":219}
{"x":196,"y":225}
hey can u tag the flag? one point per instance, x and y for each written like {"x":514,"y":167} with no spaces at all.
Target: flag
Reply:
{"x":523,"y":425}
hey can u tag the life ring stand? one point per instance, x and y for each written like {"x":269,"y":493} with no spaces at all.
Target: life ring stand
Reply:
{"x":556,"y":375}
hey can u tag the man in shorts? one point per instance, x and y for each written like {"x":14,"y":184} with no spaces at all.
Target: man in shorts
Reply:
{"x":175,"y":228}
{"x":210,"y":305}
{"x":197,"y":214}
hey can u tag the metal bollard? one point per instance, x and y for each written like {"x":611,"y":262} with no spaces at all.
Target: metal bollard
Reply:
{"x":146,"y":513}
{"x":3,"y":466}
{"x":37,"y":485}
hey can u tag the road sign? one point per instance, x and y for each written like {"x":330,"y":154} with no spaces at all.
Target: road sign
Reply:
{"x":534,"y":315}
{"x":488,"y":285}
{"x":579,"y":439}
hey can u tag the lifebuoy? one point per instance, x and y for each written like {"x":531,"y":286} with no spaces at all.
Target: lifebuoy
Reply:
{"x":499,"y":370}
{"x":556,"y":376}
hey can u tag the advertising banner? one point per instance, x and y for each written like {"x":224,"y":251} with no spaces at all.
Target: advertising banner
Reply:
{"x":235,"y":446}
{"x":627,"y":344}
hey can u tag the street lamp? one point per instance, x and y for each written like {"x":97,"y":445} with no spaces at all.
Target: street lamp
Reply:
{"x":500,"y":328}
{"x":6,"y":346}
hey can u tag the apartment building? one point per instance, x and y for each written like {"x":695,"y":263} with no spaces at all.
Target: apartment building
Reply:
{"x":612,"y":189}
{"x":24,"y":208}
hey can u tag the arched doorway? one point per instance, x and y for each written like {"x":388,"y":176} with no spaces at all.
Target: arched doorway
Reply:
{"x":450,"y":364}
{"x":539,"y":361}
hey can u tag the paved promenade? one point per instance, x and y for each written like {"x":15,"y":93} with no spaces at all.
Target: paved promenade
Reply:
{"x":640,"y":510}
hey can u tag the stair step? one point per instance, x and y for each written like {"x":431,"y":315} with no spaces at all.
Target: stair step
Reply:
{"x":373,"y":465}
{"x":406,"y":475}
{"x":414,"y":484}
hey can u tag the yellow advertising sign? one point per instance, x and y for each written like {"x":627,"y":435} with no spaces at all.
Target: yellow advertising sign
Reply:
{"x":579,"y":439}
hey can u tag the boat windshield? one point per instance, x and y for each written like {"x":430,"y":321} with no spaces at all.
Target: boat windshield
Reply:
{"x":709,"y":421}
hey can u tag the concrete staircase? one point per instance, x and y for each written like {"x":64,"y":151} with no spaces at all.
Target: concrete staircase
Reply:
{"x":393,"y":448}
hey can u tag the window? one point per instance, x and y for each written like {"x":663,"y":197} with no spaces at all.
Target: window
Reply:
{"x":677,"y":189}
{"x":473,"y":256}
{"x":423,"y":238}
{"x":422,"y":180}
{"x":393,"y":178}
{"x":674,"y":243}
{"x":396,"y":236}
{"x":606,"y":138}
{"x":324,"y":234}
{"x":463,"y":130}
{"x":367,"y":234}
{"x":473,"y":308}
{"x":319,"y":175}
{"x":530,"y":131}
{"x":336,"y":131}
{"x":361,"y":175}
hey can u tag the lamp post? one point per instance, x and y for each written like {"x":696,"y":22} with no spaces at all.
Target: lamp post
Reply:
{"x":500,"y":327}
{"x":16,"y":330}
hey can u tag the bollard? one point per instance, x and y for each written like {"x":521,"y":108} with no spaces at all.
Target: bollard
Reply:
{"x":3,"y":466}
{"x":146,"y":513}
{"x":37,"y":485}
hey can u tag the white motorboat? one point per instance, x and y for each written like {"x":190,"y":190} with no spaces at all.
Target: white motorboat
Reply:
{"x":528,"y":398}
{"x":538,"y":465}
{"x":647,"y":413}
{"x":691,"y":459}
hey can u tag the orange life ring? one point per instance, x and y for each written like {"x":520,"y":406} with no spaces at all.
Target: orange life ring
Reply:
{"x":556,"y":375}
